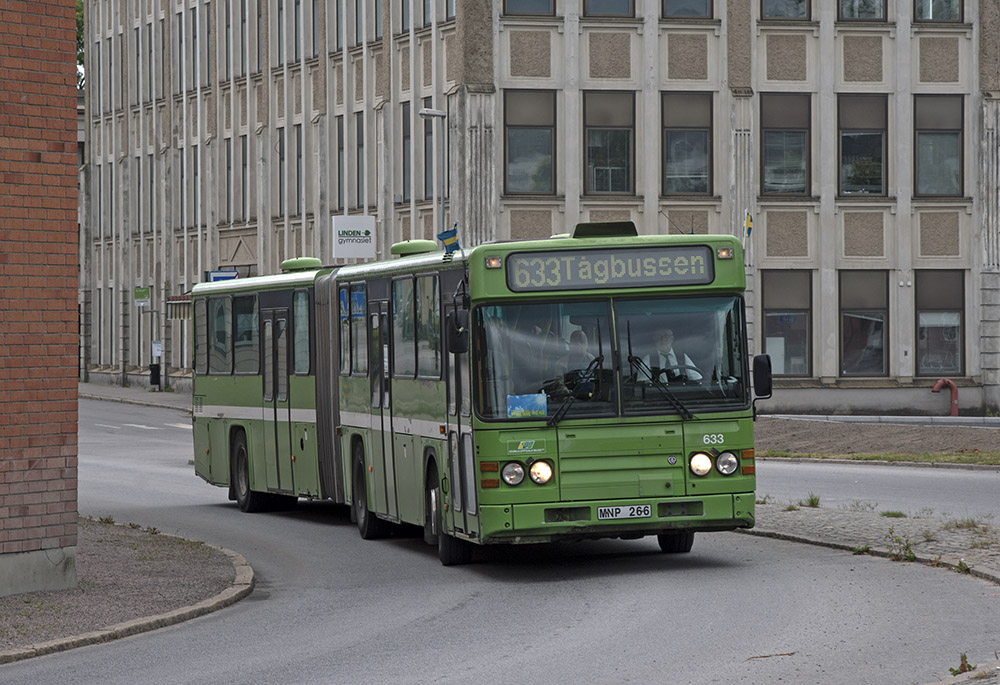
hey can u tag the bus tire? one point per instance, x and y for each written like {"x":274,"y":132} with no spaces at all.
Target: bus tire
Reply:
{"x":676,"y":543}
{"x":451,"y":550}
{"x":248,"y":500}
{"x":370,"y":526}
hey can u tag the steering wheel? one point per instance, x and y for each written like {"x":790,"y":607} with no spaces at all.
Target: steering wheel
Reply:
{"x":679,"y":367}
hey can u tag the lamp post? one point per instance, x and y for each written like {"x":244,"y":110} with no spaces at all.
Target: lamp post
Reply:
{"x":427,"y":112}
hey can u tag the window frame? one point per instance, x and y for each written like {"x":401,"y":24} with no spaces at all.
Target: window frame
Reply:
{"x":766,"y":311}
{"x":587,"y":128}
{"x":917,"y":130}
{"x":551,"y":128}
{"x":841,"y":129}
{"x":710,"y":130}
{"x":807,"y":147}
{"x":918,"y":356}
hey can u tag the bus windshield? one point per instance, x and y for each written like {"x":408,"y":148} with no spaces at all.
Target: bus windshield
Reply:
{"x":557,"y":359}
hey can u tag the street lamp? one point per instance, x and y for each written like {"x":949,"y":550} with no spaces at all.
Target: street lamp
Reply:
{"x":426,"y":113}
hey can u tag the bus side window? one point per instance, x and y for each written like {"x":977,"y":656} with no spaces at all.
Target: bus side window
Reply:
{"x":246,"y":347}
{"x":300,"y":332}
{"x":201,"y":337}
{"x":404,"y":363}
{"x":428,"y":327}
{"x":359,"y":333}
{"x":220,"y":318}
{"x":345,"y":331}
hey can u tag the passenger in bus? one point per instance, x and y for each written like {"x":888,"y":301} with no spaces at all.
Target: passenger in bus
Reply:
{"x":668,"y":365}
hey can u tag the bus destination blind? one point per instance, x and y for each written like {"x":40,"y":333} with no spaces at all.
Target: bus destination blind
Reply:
{"x":610,"y":268}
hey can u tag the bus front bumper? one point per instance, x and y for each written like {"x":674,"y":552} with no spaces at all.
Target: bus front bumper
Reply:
{"x":552,"y":521}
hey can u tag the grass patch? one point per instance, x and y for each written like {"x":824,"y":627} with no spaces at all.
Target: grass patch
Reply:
{"x":811,"y":501}
{"x":990,"y":458}
{"x":791,"y":507}
{"x":894,"y":514}
{"x":858,"y":505}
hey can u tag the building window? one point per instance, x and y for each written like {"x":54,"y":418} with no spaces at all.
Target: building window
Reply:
{"x":687,"y":143}
{"x":863,"y":124}
{"x":785,"y":157}
{"x":298,"y":170}
{"x":938,"y":130}
{"x":296,"y":40}
{"x":280,"y":30}
{"x":315,"y":27}
{"x":340,"y":24}
{"x":428,"y":153}
{"x":938,"y":10}
{"x":940,"y":330}
{"x":609,"y":134}
{"x":281,"y":172}
{"x":243,"y":37}
{"x":378,"y":19}
{"x":530,"y":141}
{"x":427,"y":12}
{"x":407,"y":146}
{"x":529,"y":7}
{"x":608,"y":8}
{"x":687,"y":8}
{"x":244,"y":178}
{"x":404,"y":15}
{"x":359,"y":133}
{"x":195,"y":50}
{"x":229,"y":36}
{"x":863,"y":10}
{"x":788,"y":321}
{"x":229,"y":180}
{"x":785,"y":9}
{"x":864,"y":309}
{"x":449,"y":10}
{"x":359,"y":13}
{"x":341,"y":162}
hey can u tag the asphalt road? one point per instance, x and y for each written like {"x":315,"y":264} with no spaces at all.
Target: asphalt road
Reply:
{"x":947,"y":492}
{"x":331,"y":607}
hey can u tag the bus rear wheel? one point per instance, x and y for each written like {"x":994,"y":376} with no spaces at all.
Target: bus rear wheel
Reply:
{"x":248,"y":500}
{"x":370,"y":526}
{"x":451,"y":550}
{"x":676,"y":543}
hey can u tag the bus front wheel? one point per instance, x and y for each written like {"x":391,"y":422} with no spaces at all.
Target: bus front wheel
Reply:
{"x":370,"y":526}
{"x":248,"y":500}
{"x":676,"y":543}
{"x":451,"y":550}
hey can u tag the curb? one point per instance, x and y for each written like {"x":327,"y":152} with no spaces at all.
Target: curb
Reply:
{"x":242,"y":586}
{"x":129,"y":400}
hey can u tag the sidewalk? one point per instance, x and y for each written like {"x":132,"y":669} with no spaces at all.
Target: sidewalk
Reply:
{"x":136,"y":395}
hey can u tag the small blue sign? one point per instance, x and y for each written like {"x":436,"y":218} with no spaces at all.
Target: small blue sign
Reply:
{"x":525,"y":406}
{"x":214,"y":276}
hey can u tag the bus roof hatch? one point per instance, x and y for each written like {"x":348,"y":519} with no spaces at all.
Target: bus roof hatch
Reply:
{"x":300,"y":264}
{"x":408,"y":248}
{"x":605,"y":229}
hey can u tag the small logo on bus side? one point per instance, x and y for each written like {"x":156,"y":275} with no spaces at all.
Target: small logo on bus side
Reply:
{"x":525,"y":446}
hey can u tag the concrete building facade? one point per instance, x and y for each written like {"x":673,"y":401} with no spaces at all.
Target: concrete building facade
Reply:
{"x":38,"y":293}
{"x":860,"y":136}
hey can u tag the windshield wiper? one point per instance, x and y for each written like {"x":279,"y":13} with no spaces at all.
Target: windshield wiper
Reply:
{"x":637,"y":363}
{"x":586,"y":375}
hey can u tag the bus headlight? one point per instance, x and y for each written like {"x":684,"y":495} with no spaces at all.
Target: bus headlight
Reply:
{"x":701,"y":464}
{"x":541,"y":472}
{"x":513,"y":473}
{"x":727,"y":463}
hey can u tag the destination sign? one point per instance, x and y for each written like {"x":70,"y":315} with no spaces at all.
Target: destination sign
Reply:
{"x":610,"y":268}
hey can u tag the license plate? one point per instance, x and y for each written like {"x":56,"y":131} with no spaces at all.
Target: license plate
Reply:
{"x":640,"y":511}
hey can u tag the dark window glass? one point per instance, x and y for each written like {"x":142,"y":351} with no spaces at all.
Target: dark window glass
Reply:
{"x":428,"y":327}
{"x":862,"y":10}
{"x":785,"y":9}
{"x":609,"y":131}
{"x":785,"y":141}
{"x":862,"y":144}
{"x":938,"y":10}
{"x":940,"y":300}
{"x":530,"y":118}
{"x":428,"y":153}
{"x":220,"y":347}
{"x":407,"y":146}
{"x":687,"y":143}
{"x":864,"y":310}
{"x":787,"y":301}
{"x":246,"y":348}
{"x":608,"y":8}
{"x":403,"y":329}
{"x":687,"y":8}
{"x":529,"y":7}
{"x":939,"y":138}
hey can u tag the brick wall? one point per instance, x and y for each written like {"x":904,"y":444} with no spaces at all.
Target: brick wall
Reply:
{"x":38,"y":278}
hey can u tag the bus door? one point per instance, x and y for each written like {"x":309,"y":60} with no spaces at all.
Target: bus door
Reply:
{"x":383,"y":481}
{"x":275,"y":401}
{"x":464,"y":508}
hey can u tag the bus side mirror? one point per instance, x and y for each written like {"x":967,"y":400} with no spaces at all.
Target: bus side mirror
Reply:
{"x":762,"y":376}
{"x":457,"y":325}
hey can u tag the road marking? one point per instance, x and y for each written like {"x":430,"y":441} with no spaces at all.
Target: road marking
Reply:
{"x":145,"y":428}
{"x":104,"y":425}
{"x":186,"y":426}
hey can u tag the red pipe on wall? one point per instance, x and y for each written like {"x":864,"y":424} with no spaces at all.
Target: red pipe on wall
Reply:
{"x":954,"y":393}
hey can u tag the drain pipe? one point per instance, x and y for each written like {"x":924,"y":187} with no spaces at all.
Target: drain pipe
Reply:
{"x":954,"y":393}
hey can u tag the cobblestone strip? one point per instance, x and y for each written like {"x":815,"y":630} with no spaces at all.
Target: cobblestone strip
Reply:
{"x":243,"y":584}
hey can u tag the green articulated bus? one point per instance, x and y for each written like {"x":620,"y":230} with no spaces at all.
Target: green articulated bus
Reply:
{"x":592,"y":385}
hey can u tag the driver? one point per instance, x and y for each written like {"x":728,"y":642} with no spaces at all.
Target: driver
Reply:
{"x":664,"y":361}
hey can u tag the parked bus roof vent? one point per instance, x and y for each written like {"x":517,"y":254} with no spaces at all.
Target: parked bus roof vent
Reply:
{"x":408,"y":248}
{"x":300,"y":264}
{"x":605,"y":229}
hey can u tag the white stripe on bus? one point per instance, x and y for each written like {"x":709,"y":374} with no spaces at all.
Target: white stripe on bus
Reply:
{"x":256,"y":413}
